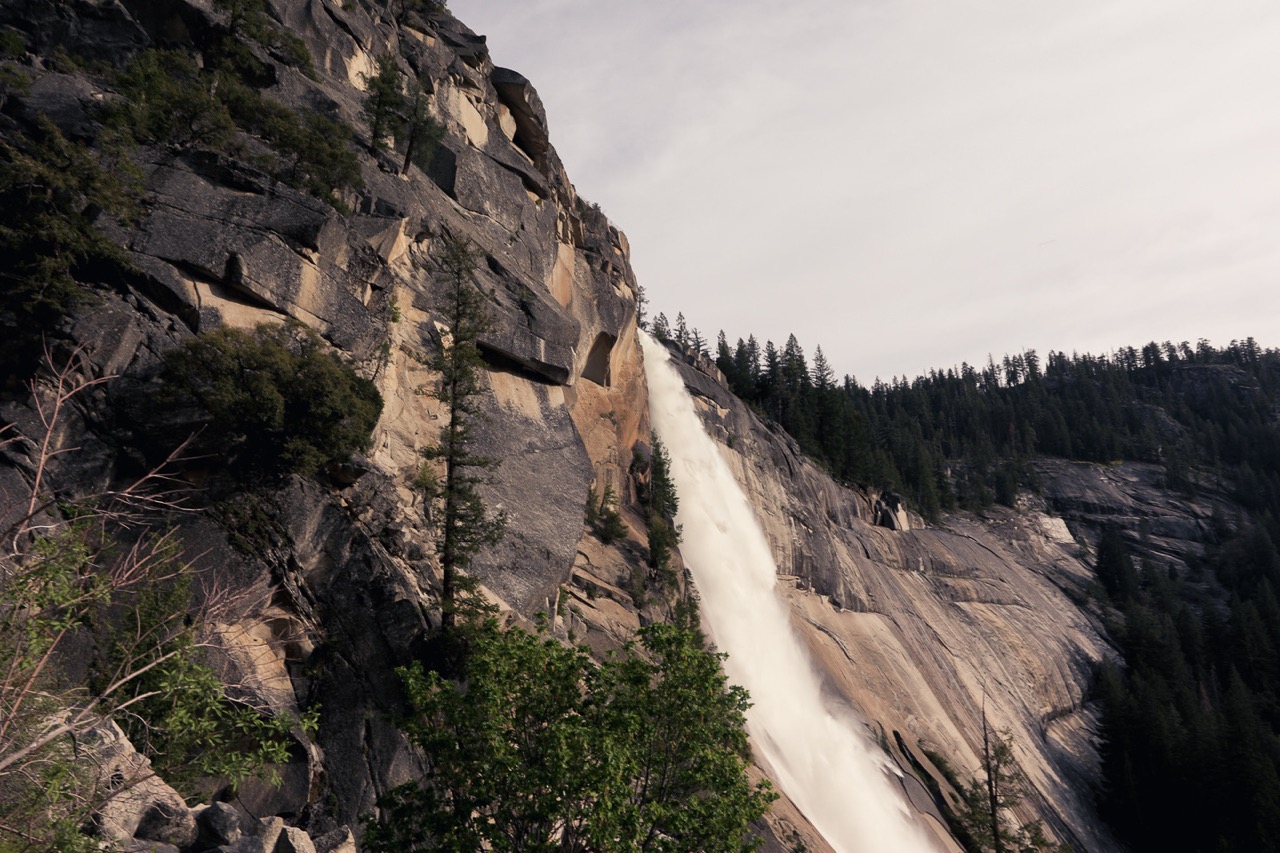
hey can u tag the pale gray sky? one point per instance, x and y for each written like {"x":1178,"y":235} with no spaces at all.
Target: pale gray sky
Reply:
{"x":914,"y":184}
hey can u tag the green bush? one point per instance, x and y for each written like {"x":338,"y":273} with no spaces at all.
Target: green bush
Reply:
{"x":98,"y":624}
{"x":167,"y":100}
{"x":312,"y":149}
{"x":539,"y":749}
{"x":272,"y":401}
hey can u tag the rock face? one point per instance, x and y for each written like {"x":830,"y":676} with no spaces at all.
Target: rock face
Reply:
{"x":919,"y":627}
{"x":344,"y":593}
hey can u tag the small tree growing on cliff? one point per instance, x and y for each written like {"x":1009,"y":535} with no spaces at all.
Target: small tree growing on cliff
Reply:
{"x":464,"y":524}
{"x":403,"y":112}
{"x":384,"y":98}
{"x":418,"y":130}
{"x":988,"y":801}
{"x":661,"y":502}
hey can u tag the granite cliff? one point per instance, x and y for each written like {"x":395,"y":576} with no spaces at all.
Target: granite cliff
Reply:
{"x":921,"y":628}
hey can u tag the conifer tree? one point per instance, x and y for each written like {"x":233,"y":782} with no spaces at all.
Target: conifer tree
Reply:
{"x":465,"y":525}
{"x":661,"y":328}
{"x":823,"y":376}
{"x":384,"y":98}
{"x":418,"y":130}
{"x":988,"y":801}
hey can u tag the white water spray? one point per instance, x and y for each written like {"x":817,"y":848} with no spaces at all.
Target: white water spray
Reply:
{"x":827,"y":769}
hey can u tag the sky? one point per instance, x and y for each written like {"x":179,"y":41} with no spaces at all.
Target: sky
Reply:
{"x":912,"y":184}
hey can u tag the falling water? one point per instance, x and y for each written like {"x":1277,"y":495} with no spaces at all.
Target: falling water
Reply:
{"x":817,"y":756}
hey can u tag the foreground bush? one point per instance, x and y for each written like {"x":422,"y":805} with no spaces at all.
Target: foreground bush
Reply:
{"x":537,"y":748}
{"x":98,"y":627}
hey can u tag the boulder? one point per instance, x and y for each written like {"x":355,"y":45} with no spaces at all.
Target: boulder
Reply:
{"x":219,"y":825}
{"x":340,"y":840}
{"x":167,"y":822}
{"x":294,"y":840}
{"x":140,"y":804}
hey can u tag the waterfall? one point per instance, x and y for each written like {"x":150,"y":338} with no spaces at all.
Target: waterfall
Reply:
{"x":816,"y":754}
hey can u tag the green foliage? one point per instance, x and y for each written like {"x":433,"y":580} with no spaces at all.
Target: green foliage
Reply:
{"x":179,"y":712}
{"x":603,"y":517}
{"x":72,"y":585}
{"x":250,"y":523}
{"x":536,"y":748}
{"x":247,"y":20}
{"x":985,"y":814}
{"x":273,"y":401}
{"x":422,"y":7}
{"x":384,"y":98}
{"x":1191,"y":718}
{"x":392,"y":109}
{"x":661,"y":504}
{"x":464,"y":524}
{"x":1114,"y":566}
{"x":1191,"y":723}
{"x":13,"y":80}
{"x":167,"y":100}
{"x":964,"y":437}
{"x":311,"y":150}
{"x":12,"y":44}
{"x":419,"y":131}
{"x":51,"y":192}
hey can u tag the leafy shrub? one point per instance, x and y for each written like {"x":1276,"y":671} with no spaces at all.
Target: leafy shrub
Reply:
{"x":272,"y":400}
{"x":541,"y":749}
{"x":313,"y":149}
{"x":97,"y":626}
{"x":168,"y":101}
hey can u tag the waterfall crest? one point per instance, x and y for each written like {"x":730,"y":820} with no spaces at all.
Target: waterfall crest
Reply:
{"x":817,"y":756}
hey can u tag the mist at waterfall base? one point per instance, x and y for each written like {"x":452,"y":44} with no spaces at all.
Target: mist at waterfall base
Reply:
{"x":830,"y":771}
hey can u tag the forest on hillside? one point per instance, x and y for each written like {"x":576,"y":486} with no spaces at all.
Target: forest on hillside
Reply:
{"x":1191,"y":712}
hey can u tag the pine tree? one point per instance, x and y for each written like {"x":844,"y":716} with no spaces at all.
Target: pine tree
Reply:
{"x":988,"y":801}
{"x":418,"y":130}
{"x":661,"y":328}
{"x":384,"y":99}
{"x":465,"y":525}
{"x":662,"y":503}
{"x":823,"y":376}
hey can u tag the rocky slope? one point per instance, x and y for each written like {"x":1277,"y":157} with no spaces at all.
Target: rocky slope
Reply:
{"x":344,"y":593}
{"x":920,"y":628}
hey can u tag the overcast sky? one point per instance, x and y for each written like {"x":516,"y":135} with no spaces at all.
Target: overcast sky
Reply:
{"x":915,"y":184}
